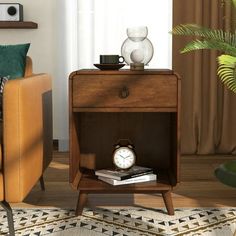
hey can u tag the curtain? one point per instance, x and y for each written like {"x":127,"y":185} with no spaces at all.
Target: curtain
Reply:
{"x":64,"y":25}
{"x":208,"y":122}
{"x":102,"y":28}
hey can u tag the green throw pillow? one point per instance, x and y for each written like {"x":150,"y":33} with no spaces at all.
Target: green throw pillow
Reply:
{"x":13,"y":59}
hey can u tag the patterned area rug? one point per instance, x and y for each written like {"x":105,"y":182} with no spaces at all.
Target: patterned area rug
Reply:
{"x":125,"y":222}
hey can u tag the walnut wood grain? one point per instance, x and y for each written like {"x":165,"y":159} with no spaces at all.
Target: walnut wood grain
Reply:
{"x":18,"y":25}
{"x":125,"y":109}
{"x":90,"y":184}
{"x":98,"y":132}
{"x":168,"y":202}
{"x":122,"y":72}
{"x":139,"y":91}
{"x":178,"y":132}
{"x":148,"y":114}
{"x":74,"y":156}
{"x":82,"y":199}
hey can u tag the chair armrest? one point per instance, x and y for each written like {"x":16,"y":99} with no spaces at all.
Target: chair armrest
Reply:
{"x":27,"y":133}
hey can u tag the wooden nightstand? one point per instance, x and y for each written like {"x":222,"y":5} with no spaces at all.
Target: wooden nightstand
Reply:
{"x":143,"y":106}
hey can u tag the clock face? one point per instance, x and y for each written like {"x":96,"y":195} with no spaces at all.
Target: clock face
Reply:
{"x":124,"y":158}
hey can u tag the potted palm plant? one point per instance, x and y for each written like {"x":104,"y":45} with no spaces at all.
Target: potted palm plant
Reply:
{"x":217,"y":39}
{"x":225,"y":43}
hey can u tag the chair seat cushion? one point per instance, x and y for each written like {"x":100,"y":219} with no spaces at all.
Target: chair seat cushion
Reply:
{"x":226,"y":173}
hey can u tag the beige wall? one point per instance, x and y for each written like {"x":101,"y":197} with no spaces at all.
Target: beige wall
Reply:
{"x":44,"y":51}
{"x":42,"y":39}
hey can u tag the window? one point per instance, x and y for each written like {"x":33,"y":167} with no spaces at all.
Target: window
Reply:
{"x":102,"y":28}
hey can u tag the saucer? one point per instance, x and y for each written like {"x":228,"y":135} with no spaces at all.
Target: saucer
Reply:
{"x":109,"y":66}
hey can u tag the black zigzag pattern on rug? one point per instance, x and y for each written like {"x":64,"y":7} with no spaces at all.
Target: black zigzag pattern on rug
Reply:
{"x":121,"y":221}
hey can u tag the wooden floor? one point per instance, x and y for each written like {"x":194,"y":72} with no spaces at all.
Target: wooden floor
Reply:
{"x":198,"y":187}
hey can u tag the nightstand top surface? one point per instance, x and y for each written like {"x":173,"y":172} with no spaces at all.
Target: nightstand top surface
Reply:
{"x":122,"y":72}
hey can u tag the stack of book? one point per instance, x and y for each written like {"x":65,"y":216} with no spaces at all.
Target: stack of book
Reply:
{"x":136,"y":174}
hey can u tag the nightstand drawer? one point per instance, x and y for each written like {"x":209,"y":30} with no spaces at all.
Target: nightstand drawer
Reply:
{"x":124,"y":91}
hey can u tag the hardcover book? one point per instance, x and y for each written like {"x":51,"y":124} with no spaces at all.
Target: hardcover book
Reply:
{"x":124,"y":174}
{"x":139,"y":179}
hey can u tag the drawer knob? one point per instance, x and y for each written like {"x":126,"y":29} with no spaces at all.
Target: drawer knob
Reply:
{"x":124,"y":92}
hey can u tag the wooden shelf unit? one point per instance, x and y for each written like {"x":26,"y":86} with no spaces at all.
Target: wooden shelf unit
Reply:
{"x":149,"y":116}
{"x":18,"y":25}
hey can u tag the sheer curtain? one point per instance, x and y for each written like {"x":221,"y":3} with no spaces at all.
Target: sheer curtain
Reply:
{"x":65,"y":63}
{"x":88,"y":28}
{"x":102,"y":28}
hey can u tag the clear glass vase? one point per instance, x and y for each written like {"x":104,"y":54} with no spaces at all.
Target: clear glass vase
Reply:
{"x":137,"y":48}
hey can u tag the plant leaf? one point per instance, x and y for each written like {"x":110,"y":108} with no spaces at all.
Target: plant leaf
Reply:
{"x":227,"y":71}
{"x":206,"y":33}
{"x":234,"y":2}
{"x":209,"y":44}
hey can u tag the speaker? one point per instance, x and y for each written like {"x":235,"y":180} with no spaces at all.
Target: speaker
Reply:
{"x":11,"y":12}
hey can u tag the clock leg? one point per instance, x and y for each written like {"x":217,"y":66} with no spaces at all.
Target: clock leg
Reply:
{"x":82,"y":199}
{"x":168,"y":202}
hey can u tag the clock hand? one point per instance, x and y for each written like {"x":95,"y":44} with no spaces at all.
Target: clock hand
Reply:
{"x":127,"y":156}
{"x":121,"y":156}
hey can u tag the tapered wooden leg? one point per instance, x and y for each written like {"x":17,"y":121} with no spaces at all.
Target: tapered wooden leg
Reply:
{"x":8,"y":209}
{"x":42,"y":183}
{"x":82,"y":199}
{"x":168,"y":202}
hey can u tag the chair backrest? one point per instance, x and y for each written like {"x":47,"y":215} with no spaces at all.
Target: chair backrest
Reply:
{"x":28,"y":67}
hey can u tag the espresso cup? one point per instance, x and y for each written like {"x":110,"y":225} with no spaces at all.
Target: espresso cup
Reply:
{"x":111,"y":59}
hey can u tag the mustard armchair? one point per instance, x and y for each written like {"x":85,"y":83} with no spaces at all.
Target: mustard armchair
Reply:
{"x":25,"y":136}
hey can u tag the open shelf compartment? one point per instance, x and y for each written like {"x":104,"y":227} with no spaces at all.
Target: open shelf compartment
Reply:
{"x":152,"y":135}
